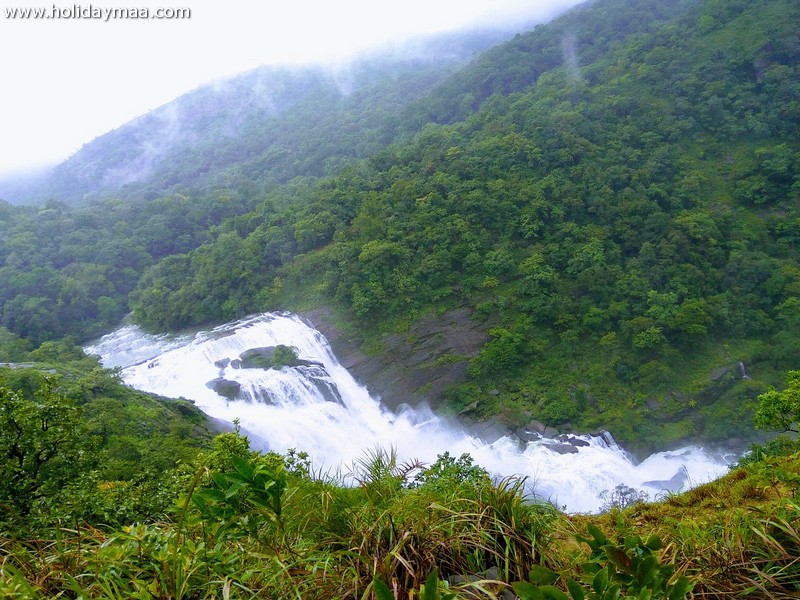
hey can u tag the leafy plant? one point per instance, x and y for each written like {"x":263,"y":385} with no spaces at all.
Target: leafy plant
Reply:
{"x":780,"y":410}
{"x":448,"y":470}
{"x":433,"y":589}
{"x":43,"y":442}
{"x":253,"y":489}
{"x":630,"y":569}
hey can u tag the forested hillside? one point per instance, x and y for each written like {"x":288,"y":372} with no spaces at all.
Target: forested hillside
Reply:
{"x":624,"y":228}
{"x":619,"y":217}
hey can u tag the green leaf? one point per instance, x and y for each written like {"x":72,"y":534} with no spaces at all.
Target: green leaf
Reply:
{"x":234,"y":489}
{"x":575,"y":590}
{"x":619,"y":558}
{"x":599,"y":536}
{"x":632,"y":541}
{"x":542,"y":576}
{"x":653,"y":543}
{"x":600,"y":581}
{"x":431,"y":585}
{"x":527,"y":591}
{"x":553,"y":593}
{"x":200,"y":503}
{"x":212,"y":494}
{"x":613,"y":592}
{"x":591,"y":567}
{"x":647,"y":570}
{"x":243,"y":467}
{"x":680,"y":589}
{"x":219,"y":479}
{"x":382,"y":591}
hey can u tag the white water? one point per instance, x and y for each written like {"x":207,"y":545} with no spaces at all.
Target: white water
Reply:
{"x":298,"y":408}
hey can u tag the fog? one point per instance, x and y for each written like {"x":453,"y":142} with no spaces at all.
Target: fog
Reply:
{"x":67,"y":81}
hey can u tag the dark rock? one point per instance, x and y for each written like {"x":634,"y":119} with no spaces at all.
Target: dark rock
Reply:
{"x":225,"y":388}
{"x":257,"y":358}
{"x":220,"y":425}
{"x":328,"y":391}
{"x":222,"y":363}
{"x":550,"y":432}
{"x":489,"y":431}
{"x":537,"y":427}
{"x":273,"y":357}
{"x":562,"y":448}
{"x":527,"y":436}
{"x":236,"y":363}
{"x":719,"y":373}
{"x":469,"y":407}
{"x":571,"y":439}
{"x":608,"y":439}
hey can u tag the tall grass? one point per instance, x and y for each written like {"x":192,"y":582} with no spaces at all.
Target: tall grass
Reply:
{"x":737,"y":538}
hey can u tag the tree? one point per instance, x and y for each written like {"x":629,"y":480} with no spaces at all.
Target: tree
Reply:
{"x":621,"y":497}
{"x":780,"y":411}
{"x":43,"y":445}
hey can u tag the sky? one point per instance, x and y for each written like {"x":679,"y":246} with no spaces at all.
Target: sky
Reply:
{"x":65,"y":81}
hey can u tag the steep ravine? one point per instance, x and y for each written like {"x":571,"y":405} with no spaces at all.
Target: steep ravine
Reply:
{"x":417,"y":366}
{"x":414,"y":367}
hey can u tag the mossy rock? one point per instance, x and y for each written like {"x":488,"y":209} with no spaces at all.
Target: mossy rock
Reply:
{"x":272,"y":357}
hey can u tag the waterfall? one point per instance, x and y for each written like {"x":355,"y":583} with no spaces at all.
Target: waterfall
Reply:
{"x":319,"y":408}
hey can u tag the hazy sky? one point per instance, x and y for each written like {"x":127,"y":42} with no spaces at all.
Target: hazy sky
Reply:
{"x":63,"y":82}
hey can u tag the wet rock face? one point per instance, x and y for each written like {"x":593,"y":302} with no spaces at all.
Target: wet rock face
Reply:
{"x":563,"y":448}
{"x":413,"y":367}
{"x":225,"y":388}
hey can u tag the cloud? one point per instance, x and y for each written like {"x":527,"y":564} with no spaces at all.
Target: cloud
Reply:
{"x":68,"y":81}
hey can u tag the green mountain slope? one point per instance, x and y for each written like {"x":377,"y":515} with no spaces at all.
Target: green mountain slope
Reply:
{"x":580,"y":37}
{"x":623,"y":228}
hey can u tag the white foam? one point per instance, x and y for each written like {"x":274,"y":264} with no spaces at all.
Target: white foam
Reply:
{"x":287,"y":409}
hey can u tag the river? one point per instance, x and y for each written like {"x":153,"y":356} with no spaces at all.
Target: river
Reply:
{"x":319,"y":408}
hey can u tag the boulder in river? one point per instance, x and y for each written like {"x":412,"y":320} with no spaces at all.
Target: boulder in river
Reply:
{"x":562,"y":448}
{"x":225,"y":388}
{"x":272,"y":357}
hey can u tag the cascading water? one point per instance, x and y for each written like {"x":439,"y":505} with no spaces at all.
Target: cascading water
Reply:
{"x":319,"y":408}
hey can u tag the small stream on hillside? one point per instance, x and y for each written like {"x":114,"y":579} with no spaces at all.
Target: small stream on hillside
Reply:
{"x":318,"y":407}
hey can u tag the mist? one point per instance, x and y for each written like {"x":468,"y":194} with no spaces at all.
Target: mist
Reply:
{"x":78,"y":79}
